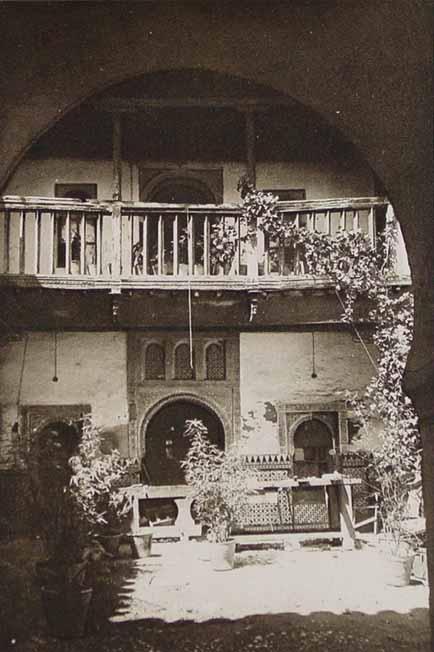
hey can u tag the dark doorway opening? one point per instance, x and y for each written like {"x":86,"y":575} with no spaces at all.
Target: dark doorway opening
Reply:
{"x":165,"y":443}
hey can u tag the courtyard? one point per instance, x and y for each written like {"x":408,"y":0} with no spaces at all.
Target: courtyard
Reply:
{"x":309,"y":598}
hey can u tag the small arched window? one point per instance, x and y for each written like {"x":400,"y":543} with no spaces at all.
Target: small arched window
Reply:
{"x":183,"y":370}
{"x":155,"y":362}
{"x":215,"y":362}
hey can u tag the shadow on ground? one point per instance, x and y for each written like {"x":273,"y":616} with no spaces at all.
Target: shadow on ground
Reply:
{"x":317,"y":632}
{"x":23,"y":627}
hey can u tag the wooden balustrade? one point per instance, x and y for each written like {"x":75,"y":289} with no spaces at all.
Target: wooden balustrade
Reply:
{"x":133,"y":240}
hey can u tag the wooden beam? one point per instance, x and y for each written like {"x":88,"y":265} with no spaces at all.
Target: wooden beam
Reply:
{"x":117,"y":157}
{"x":133,"y":104}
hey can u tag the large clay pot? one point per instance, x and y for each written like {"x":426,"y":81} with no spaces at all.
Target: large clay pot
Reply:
{"x":66,"y":610}
{"x":223,"y":555}
{"x":141,"y":545}
{"x":397,"y":569}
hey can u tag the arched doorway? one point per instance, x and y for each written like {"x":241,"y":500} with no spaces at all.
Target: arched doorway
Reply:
{"x":312,"y":443}
{"x":166,"y":445}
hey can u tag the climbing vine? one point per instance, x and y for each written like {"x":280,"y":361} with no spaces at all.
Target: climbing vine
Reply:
{"x":359,"y":269}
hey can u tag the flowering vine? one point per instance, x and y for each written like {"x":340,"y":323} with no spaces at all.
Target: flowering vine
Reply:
{"x":360,"y":269}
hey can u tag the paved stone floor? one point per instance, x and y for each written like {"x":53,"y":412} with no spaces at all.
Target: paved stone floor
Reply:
{"x":177,"y":582}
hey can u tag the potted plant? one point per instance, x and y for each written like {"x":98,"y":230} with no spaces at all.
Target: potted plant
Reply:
{"x":106,"y":473}
{"x":220,"y":482}
{"x":70,"y":499}
{"x":396,"y":544}
{"x":68,"y":516}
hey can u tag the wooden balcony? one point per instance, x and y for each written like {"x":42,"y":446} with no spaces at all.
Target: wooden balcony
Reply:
{"x":125,"y":245}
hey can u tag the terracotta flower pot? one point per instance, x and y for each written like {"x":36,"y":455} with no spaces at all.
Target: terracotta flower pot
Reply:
{"x":397,"y":569}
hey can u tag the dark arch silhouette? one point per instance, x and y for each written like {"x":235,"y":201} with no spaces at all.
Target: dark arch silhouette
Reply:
{"x":165,"y":444}
{"x":312,"y":442}
{"x":181,"y":190}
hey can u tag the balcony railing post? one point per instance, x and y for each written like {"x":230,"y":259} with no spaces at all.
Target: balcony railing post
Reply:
{"x":116,"y":239}
{"x":160,"y":246}
{"x":22,"y":242}
{"x":175,"y":246}
{"x":371,"y":225}
{"x":68,"y":243}
{"x":98,"y":244}
{"x":145,"y":245}
{"x":37,"y":235}
{"x":190,"y":242}
{"x":82,"y":243}
{"x":206,"y":246}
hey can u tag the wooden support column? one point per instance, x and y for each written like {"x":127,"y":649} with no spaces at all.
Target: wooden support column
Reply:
{"x":346,"y":516}
{"x":250,"y":146}
{"x":117,"y":157}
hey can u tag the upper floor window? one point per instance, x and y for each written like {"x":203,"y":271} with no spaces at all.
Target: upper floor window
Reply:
{"x":80,"y":191}
{"x":155,"y":362}
{"x":215,"y":362}
{"x":184,"y":370}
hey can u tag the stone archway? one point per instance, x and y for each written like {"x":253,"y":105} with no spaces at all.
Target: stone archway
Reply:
{"x":375,"y":89}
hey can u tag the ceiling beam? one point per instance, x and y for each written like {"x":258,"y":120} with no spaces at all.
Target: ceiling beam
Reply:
{"x":133,"y":104}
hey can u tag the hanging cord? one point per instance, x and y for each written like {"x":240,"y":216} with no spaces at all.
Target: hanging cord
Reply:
{"x":55,"y":378}
{"x":23,"y":363}
{"x":359,"y":337}
{"x":314,"y":374}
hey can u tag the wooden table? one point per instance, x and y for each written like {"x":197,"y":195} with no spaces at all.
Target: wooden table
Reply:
{"x":183,"y":496}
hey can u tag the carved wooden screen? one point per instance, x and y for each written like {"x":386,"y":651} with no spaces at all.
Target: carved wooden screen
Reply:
{"x":155,"y":362}
{"x":215,"y":362}
{"x":183,"y":369}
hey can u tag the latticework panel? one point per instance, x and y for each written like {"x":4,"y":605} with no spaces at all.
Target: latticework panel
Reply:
{"x":215,"y":362}
{"x":312,"y":516}
{"x":155,"y":362}
{"x":268,"y":476}
{"x":356,"y":466}
{"x":183,"y":370}
{"x":260,"y":515}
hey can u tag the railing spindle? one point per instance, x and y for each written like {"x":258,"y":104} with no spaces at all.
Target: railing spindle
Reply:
{"x":160,"y":248}
{"x":238,"y":245}
{"x":371,"y":225}
{"x":356,"y":221}
{"x":82,"y":242}
{"x":145,"y":246}
{"x":175,"y":246}
{"x":190,"y":241}
{"x":98,"y":244}
{"x":68,"y":243}
{"x":37,"y":233}
{"x":206,"y":247}
{"x":51,"y":243}
{"x":21,"y":243}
